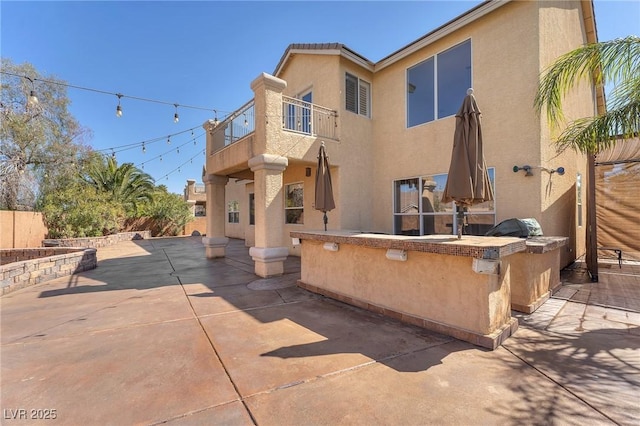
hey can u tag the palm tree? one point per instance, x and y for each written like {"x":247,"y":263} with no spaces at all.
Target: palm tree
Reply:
{"x":616,"y":62}
{"x":126,"y":184}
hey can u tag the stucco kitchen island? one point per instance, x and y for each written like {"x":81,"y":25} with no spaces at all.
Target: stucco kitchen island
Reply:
{"x":456,"y":287}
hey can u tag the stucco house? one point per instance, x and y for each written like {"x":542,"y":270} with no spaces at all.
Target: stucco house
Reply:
{"x":388,"y":129}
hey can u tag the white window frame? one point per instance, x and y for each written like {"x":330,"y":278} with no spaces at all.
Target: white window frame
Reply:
{"x":296,"y":208}
{"x":363,"y":107}
{"x":233,"y":212}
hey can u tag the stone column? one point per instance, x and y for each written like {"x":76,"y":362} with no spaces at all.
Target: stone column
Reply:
{"x":215,"y":242}
{"x":269,"y":253}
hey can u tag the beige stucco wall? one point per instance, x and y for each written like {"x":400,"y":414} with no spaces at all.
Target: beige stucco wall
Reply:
{"x":475,"y":302}
{"x":510,"y":47}
{"x":235,"y":191}
{"x":20,"y":229}
{"x":508,"y":52}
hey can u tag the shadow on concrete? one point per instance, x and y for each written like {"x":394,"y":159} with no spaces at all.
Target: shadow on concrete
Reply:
{"x":597,"y":366}
{"x":224,"y":285}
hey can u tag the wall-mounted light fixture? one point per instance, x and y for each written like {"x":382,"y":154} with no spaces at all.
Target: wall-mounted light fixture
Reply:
{"x":527,"y":170}
{"x":331,"y":246}
{"x":559,"y":170}
{"x":307,"y":171}
{"x":395,"y":254}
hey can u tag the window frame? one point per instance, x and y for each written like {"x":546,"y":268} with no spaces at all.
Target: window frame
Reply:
{"x":360,"y":84}
{"x":435,"y":85}
{"x":233,"y":212}
{"x":449,"y":209}
{"x":300,"y":208}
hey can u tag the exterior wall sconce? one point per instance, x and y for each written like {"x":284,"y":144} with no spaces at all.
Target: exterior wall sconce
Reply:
{"x":527,"y":170}
{"x":307,"y":171}
{"x":331,"y":246}
{"x":394,"y":254}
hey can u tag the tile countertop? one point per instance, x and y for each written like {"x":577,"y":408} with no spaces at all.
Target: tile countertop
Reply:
{"x":478,"y":247}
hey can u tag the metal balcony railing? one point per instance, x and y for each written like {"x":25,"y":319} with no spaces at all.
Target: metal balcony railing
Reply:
{"x":240,"y":123}
{"x":307,"y":118}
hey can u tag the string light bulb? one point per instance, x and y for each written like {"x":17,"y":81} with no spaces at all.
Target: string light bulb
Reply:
{"x":246,"y":123}
{"x":119,"y":108}
{"x":144,"y":149}
{"x":32,"y":100}
{"x":169,"y":140}
{"x":215,"y":119}
{"x":175,"y":116}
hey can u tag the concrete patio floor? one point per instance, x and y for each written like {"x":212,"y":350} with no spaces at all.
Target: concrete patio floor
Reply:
{"x":158,"y":334}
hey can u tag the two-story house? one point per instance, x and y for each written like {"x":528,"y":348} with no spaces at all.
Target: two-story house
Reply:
{"x":388,"y":129}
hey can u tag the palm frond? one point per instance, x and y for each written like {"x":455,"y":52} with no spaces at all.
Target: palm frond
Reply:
{"x":612,"y":61}
{"x":594,"y":134}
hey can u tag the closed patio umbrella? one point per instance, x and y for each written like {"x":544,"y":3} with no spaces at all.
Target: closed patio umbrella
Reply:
{"x":324,"y":188}
{"x":468,"y":180}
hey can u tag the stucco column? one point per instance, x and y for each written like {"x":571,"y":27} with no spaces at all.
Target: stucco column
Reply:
{"x":268,"y":253}
{"x":267,"y":91}
{"x":215,"y":242}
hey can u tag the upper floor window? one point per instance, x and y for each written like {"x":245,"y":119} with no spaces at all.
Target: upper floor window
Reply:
{"x":437,"y":86}
{"x":357,"y":95}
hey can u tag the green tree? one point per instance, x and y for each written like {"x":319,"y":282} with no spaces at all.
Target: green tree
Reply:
{"x":39,"y":142}
{"x":78,"y":210}
{"x":169,"y":211}
{"x":615,"y":62}
{"x":125,"y":184}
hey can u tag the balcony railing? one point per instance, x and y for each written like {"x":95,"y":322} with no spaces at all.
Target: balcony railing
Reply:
{"x":240,"y":123}
{"x":297,"y":116}
{"x":307,"y":118}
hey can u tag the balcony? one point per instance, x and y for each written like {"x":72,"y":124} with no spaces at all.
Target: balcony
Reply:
{"x":297,"y":117}
{"x":309,"y":119}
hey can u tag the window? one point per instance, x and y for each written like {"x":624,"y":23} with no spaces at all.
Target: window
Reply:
{"x":293,"y":203}
{"x":579,"y":197}
{"x":437,"y":86}
{"x":233,"y":208}
{"x":357,"y":95}
{"x":252,"y":209}
{"x":200,"y":210}
{"x":418,"y":208}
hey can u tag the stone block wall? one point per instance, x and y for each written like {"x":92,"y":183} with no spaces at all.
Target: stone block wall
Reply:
{"x":97,"y":242}
{"x":34,"y":269}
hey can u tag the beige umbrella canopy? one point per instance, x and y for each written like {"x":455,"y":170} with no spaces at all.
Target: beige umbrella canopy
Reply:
{"x":468,"y":180}
{"x":324,"y":188}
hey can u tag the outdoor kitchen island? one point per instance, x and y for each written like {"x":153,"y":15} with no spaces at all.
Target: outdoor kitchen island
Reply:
{"x":457,"y":287}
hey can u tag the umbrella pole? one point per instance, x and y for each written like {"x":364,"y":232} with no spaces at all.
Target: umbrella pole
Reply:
{"x":460,"y":215}
{"x":326,"y":220}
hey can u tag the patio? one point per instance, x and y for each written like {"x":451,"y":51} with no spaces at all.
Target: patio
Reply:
{"x":160,"y":334}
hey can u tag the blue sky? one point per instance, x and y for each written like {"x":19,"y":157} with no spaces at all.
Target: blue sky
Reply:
{"x":205,"y":54}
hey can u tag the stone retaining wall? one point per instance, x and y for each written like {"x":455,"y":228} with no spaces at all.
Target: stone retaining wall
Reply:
{"x":34,"y":270}
{"x":97,"y":242}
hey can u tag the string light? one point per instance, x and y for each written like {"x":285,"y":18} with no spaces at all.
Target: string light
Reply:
{"x":178,"y":150}
{"x":144,"y":149}
{"x":169,"y":140}
{"x":246,"y":123}
{"x":215,"y":119}
{"x":175,"y":116}
{"x":33,"y":99}
{"x":119,"y":108}
{"x":89,"y":89}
